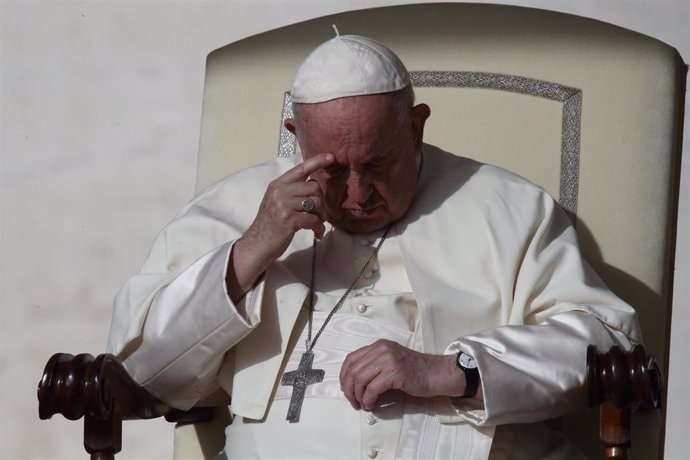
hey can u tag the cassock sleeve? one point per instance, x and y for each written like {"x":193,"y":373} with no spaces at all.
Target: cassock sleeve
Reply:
{"x":534,"y":368}
{"x":173,"y":322}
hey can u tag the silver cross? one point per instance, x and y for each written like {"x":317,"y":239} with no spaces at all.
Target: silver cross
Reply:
{"x":299,"y":380}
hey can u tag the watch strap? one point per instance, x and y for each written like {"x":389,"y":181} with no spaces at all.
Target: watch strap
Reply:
{"x":471,"y":379}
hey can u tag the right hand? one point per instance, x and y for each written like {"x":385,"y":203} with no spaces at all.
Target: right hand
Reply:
{"x":280,"y":216}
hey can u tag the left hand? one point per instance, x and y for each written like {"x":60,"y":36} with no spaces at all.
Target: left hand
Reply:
{"x":386,"y":365}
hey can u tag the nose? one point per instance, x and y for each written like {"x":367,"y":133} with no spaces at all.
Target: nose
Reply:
{"x":358,"y":188}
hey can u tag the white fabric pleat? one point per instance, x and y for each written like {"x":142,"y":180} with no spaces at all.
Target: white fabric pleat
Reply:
{"x":423,"y":436}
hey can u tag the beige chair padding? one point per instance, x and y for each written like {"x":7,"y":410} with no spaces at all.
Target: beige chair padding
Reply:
{"x":625,"y":162}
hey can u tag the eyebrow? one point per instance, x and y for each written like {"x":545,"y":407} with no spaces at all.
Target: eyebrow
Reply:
{"x":335,"y":167}
{"x":379,"y":157}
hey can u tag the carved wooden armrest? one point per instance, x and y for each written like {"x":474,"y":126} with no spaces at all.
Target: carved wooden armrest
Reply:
{"x":100,"y":390}
{"x":621,"y":383}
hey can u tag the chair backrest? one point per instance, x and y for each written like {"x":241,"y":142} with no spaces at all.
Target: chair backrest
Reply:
{"x":589,"y":111}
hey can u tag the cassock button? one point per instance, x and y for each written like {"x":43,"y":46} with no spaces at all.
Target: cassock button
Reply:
{"x":362,"y":308}
{"x":364,"y":242}
{"x":372,"y":453}
{"x":371,"y":419}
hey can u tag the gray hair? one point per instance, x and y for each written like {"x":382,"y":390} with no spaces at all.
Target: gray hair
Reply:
{"x":405,"y":102}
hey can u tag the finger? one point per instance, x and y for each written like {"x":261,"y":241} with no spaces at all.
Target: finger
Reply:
{"x":354,"y":373}
{"x":362,"y":381}
{"x":302,"y":171}
{"x":347,"y":387}
{"x":317,"y":209}
{"x":382,"y":358}
{"x":309,"y":221}
{"x":375,"y":388}
{"x":297,"y":192}
{"x":302,"y":188}
{"x":364,"y":358}
{"x":345,"y":370}
{"x":355,"y":359}
{"x":347,"y":383}
{"x":368,"y":368}
{"x":299,"y":203}
{"x":289,"y":197}
{"x":319,"y":231}
{"x":350,"y":395}
{"x":315,"y":182}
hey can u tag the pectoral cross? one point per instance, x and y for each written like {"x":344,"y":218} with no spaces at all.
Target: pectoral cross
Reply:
{"x":299,"y":380}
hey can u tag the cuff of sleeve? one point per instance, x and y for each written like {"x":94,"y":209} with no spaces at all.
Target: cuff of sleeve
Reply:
{"x":249,"y":308}
{"x":191,"y":324}
{"x":532,"y":373}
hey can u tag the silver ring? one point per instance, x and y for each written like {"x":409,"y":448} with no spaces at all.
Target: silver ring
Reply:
{"x":308,"y":204}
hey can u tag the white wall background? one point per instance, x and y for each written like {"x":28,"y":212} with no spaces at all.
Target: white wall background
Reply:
{"x":100,"y":110}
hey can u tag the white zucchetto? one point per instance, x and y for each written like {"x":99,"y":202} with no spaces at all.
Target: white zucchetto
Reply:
{"x":348,"y":65}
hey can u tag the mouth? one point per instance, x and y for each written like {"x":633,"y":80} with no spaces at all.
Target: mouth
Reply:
{"x":360,"y":213}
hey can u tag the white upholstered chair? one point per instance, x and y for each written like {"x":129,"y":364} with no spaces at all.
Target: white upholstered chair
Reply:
{"x":589,"y":111}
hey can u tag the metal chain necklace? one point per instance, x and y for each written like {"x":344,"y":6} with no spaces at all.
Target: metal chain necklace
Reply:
{"x":304,"y":375}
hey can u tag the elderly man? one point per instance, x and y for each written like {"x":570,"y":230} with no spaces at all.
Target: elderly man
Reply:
{"x":388,"y":299}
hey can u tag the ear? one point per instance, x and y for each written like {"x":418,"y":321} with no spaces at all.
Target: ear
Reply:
{"x":290,"y":125}
{"x":419,"y":115}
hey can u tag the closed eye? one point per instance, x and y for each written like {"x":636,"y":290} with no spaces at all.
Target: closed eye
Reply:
{"x":377,"y":163}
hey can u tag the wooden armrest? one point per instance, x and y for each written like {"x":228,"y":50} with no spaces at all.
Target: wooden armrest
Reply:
{"x":100,"y":390}
{"x":620,"y":383}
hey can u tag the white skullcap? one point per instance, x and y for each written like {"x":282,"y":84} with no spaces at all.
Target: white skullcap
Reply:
{"x":348,"y":65}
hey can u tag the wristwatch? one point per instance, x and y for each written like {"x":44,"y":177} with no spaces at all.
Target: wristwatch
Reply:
{"x":469,"y":367}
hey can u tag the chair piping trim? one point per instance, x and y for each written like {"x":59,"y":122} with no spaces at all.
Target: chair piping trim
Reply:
{"x":287,"y":143}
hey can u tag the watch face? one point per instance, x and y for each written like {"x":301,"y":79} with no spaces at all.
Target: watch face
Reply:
{"x":467,"y":361}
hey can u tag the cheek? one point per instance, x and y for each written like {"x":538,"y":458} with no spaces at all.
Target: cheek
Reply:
{"x":392,"y":195}
{"x":399,"y":190}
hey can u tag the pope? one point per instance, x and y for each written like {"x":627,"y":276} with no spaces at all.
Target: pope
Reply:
{"x":389,"y":299}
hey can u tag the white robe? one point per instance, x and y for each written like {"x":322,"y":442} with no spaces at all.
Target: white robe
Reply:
{"x":493,"y":263}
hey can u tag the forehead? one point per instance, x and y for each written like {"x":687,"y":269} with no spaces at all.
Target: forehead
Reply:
{"x":352,"y":122}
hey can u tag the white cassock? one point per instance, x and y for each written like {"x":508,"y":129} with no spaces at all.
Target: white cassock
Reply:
{"x":483,"y":262}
